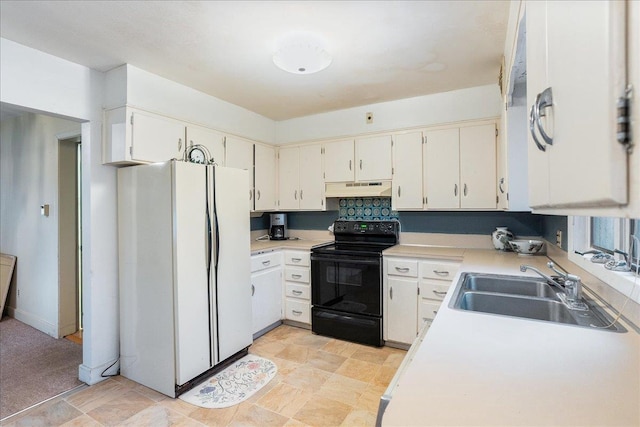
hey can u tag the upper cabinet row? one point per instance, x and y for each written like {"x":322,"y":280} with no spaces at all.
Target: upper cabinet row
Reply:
{"x":444,"y":168}
{"x":576,"y":60}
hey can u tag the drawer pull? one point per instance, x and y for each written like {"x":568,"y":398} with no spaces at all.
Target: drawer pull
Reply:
{"x":267,"y":262}
{"x":296,"y":276}
{"x":296,"y":292}
{"x":402,"y":269}
{"x":441,"y":272}
{"x":296,"y":312}
{"x":296,"y":259}
{"x":440,"y":293}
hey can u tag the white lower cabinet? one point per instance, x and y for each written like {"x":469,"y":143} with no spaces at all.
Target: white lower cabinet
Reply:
{"x":414,"y":289}
{"x":266,"y":290}
{"x":297,"y":286}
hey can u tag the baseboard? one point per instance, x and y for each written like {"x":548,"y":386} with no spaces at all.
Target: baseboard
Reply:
{"x":94,"y":375}
{"x":34,"y":321}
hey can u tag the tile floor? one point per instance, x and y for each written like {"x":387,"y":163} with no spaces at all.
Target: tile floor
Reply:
{"x":320,"y":382}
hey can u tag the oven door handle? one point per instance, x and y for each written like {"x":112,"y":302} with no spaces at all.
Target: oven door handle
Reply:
{"x":367,"y":261}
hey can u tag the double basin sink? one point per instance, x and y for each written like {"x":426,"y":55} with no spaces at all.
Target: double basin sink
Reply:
{"x":525,"y":297}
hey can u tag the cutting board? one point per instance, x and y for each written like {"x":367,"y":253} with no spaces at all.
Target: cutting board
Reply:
{"x":7,"y":264}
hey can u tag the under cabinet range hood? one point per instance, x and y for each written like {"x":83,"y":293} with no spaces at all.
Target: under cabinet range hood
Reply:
{"x":358,"y":189}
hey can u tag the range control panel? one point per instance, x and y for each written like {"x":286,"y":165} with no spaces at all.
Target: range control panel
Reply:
{"x":373,"y":228}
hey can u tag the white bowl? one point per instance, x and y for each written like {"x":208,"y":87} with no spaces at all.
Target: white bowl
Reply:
{"x":526,"y":247}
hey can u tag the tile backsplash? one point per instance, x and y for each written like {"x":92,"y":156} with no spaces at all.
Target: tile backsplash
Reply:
{"x":366,"y":208}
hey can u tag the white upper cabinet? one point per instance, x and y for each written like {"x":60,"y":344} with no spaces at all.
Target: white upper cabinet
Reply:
{"x":373,"y":158}
{"x":478,"y":167}
{"x":575,"y":75}
{"x":209,"y":138}
{"x":460,"y":167}
{"x":338,"y":161}
{"x":133,"y":136}
{"x":311,"y":182}
{"x":300,"y":181}
{"x":265,"y":178}
{"x":239,"y":154}
{"x":442,"y":168}
{"x":407,"y":171}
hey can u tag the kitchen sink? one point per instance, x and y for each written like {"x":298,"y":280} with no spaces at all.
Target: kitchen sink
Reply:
{"x":524,"y":297}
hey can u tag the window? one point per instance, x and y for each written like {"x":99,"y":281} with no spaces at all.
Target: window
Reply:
{"x":603,"y":234}
{"x":635,"y":253}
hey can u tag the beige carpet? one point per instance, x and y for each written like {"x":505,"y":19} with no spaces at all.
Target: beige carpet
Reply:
{"x":34,"y":366}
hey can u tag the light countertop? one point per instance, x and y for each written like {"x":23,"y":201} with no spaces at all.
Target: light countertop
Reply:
{"x":476,"y":369}
{"x":260,"y":246}
{"x":423,"y":251}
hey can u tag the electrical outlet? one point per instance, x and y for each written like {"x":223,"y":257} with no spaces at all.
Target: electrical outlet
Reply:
{"x":558,"y":237}
{"x":369,"y":118}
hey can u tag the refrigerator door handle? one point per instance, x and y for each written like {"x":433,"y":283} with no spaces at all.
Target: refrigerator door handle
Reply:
{"x":207,"y":241}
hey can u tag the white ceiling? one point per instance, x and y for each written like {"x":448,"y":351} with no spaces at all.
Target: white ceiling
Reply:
{"x":381,"y":49}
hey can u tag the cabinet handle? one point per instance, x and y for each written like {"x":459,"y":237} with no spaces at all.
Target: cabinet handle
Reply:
{"x":455,"y":190}
{"x":402,"y":269}
{"x":439,"y":293}
{"x":532,"y":129}
{"x":296,"y":292}
{"x":296,"y":312}
{"x":500,"y":186}
{"x":250,"y":194}
{"x":296,"y":259}
{"x":360,"y":164}
{"x":258,"y":198}
{"x":179,"y":144}
{"x":399,"y":191}
{"x":295,"y":195}
{"x":349,"y":164}
{"x":390,"y":293}
{"x":253,"y":290}
{"x":267,"y":262}
{"x":435,"y":312}
{"x":301,"y":194}
{"x":464,"y":191}
{"x":441,"y":272}
{"x":296,"y":276}
{"x":543,"y":100}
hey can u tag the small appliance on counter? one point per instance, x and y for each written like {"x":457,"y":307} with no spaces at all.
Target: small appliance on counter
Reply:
{"x":278,"y":227}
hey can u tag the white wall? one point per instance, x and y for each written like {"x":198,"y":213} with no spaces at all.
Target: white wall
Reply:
{"x":29,"y":178}
{"x":48,"y":84}
{"x":465,"y":104}
{"x":138,"y":88}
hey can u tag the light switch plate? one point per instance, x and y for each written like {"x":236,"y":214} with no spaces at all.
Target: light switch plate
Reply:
{"x":558,"y":237}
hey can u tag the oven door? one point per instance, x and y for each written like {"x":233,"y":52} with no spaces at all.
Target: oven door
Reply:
{"x":350,"y":284}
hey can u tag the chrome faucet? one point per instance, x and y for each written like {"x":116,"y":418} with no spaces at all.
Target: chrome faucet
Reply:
{"x":572,"y":287}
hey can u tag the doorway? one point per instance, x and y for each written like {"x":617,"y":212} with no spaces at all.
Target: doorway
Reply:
{"x":70,"y":237}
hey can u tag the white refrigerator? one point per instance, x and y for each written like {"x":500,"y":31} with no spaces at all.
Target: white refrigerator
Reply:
{"x":184,"y":271}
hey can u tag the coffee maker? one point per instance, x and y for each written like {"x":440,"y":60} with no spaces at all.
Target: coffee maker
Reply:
{"x":278,"y":227}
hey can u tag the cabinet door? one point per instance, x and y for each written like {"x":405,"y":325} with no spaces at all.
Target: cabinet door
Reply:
{"x":239,"y":154}
{"x":442,"y":169}
{"x":288,"y":178}
{"x":338,"y":161}
{"x":212,"y":140}
{"x":311,"y":183}
{"x":156,"y":139}
{"x":478,"y":167}
{"x":587,"y":166}
{"x":402,"y":309}
{"x":265,"y":178}
{"x":407,"y":171}
{"x":373,"y":158}
{"x":266,"y":303}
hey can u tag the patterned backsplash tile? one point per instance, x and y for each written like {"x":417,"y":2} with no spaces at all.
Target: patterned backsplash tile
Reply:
{"x":367,"y":208}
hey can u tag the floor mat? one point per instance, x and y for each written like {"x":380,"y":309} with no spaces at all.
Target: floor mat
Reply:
{"x":233,"y":384}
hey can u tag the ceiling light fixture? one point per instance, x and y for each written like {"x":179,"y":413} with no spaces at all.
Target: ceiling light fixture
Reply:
{"x":301,"y":53}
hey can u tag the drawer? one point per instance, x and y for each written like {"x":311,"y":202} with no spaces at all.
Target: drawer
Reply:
{"x":442,"y":270}
{"x":298,"y":291}
{"x":434,"y":289}
{"x":296,"y":258}
{"x":297,"y":310}
{"x":264,"y":261}
{"x":293,"y":274}
{"x":427,"y":310}
{"x":399,"y":267}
